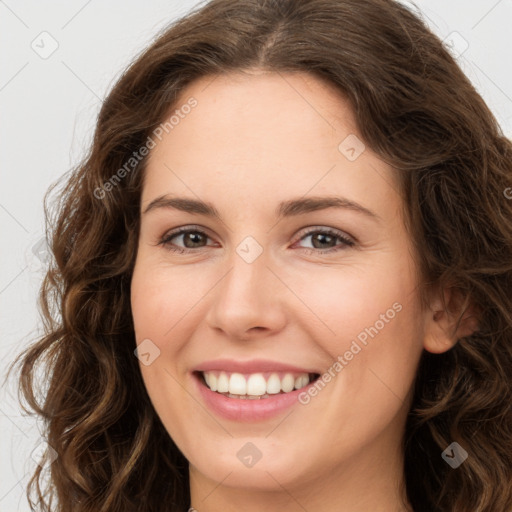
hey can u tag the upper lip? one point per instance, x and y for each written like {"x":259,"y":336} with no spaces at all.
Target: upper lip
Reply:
{"x":252,"y":366}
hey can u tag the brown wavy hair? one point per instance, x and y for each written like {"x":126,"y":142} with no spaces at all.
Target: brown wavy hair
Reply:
{"x":418,"y":111}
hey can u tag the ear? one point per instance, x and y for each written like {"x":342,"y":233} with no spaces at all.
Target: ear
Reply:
{"x":450,"y":318}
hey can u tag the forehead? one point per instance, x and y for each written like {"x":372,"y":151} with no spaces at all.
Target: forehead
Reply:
{"x":254,"y":107}
{"x":261,"y":135}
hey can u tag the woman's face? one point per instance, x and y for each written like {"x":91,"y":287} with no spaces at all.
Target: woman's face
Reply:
{"x":274,"y":287}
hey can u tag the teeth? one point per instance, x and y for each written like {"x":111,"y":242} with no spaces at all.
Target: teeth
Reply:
{"x":222,"y":383}
{"x":273,"y":384}
{"x":301,"y":381}
{"x":213,"y":382}
{"x":237,"y":384}
{"x":288,"y":383}
{"x":254,"y":386}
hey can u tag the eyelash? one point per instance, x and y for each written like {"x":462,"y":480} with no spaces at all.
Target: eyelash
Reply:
{"x":346,"y":242}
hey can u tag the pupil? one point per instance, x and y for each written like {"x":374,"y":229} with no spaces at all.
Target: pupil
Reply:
{"x":196,"y":236}
{"x":321,"y":236}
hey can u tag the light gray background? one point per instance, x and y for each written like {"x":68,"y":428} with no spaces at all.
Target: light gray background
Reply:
{"x":48,"y":107}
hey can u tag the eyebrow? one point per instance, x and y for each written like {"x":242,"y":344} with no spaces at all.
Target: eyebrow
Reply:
{"x":288,"y":208}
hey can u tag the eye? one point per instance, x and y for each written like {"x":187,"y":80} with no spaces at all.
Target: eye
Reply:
{"x":195,"y":238}
{"x":323,"y":239}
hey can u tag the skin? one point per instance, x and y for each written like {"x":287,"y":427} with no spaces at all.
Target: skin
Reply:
{"x":255,"y":139}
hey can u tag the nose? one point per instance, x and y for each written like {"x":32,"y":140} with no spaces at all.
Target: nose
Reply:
{"x":248,"y":302}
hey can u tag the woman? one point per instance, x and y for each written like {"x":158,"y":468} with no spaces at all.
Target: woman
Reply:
{"x":206,"y":357}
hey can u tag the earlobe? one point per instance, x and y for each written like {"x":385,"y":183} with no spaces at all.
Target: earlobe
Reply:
{"x":443,"y":329}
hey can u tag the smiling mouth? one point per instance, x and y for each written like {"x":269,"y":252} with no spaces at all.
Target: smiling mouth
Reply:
{"x":254,"y":386}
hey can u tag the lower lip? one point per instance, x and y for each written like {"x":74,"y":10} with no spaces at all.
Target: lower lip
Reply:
{"x":246,"y":410}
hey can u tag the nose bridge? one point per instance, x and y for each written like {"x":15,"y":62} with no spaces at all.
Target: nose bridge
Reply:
{"x":247,"y":282}
{"x":247,"y":296}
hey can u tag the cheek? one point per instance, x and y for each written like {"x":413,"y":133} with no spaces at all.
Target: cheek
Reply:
{"x":371,"y":319}
{"x":161,"y":298}
{"x":355,"y":302}
{"x":158,"y":304}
